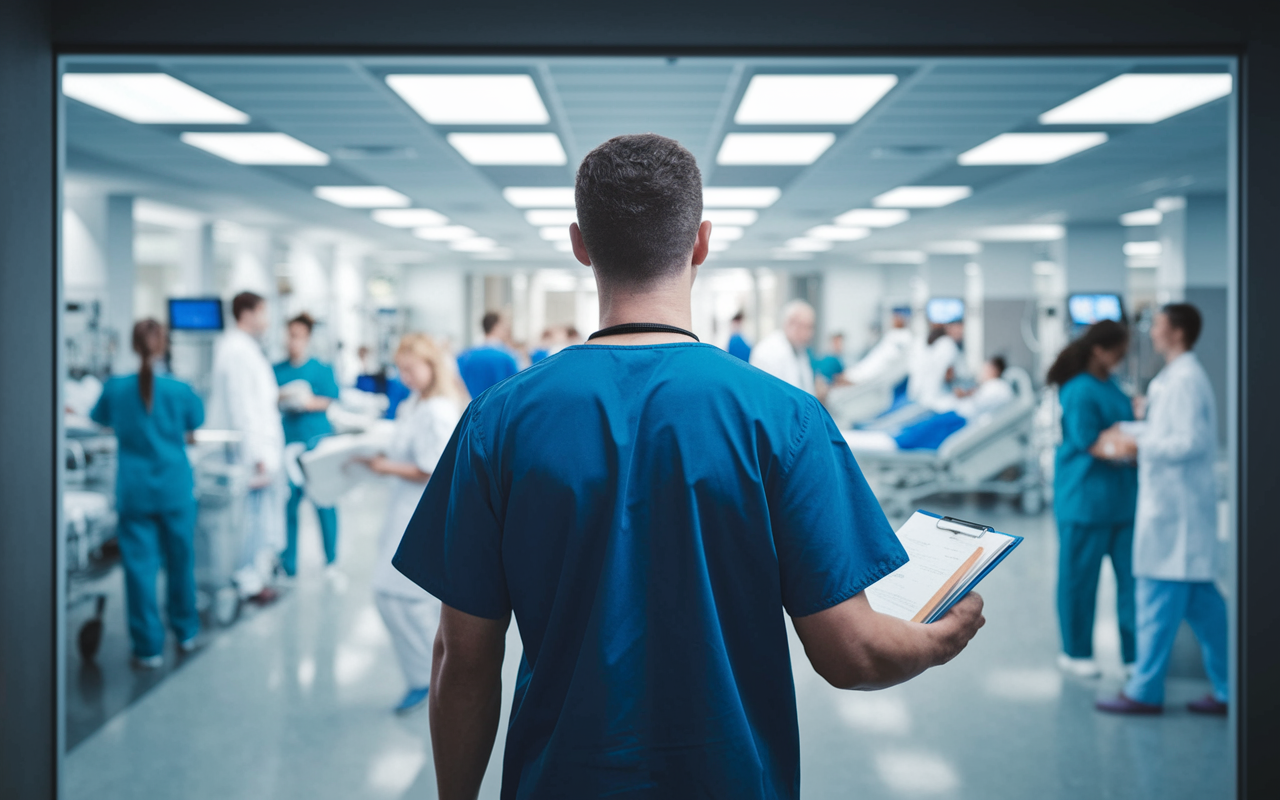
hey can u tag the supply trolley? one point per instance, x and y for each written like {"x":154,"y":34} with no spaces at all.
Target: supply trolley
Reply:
{"x":89,"y":526}
{"x":221,"y":485}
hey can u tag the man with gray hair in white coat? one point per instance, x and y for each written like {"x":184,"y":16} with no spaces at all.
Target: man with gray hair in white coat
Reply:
{"x":784,"y":353}
{"x":1175,"y":534}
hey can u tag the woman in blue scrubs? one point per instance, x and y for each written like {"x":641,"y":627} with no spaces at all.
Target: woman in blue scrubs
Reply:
{"x":1095,"y":493}
{"x":152,"y":415}
{"x":305,"y":422}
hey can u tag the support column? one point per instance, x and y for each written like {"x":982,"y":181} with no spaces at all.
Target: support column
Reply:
{"x":121,"y":279}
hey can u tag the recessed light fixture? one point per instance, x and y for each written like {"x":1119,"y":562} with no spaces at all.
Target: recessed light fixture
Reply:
{"x":1140,"y":98}
{"x":896,"y":257}
{"x":278,"y":149}
{"x":726,"y":233}
{"x":539,"y":196}
{"x":503,"y":149}
{"x":811,"y":99}
{"x":551,"y":216}
{"x":555,"y":233}
{"x":773,"y":148}
{"x":1143,"y":249}
{"x":838,"y":233}
{"x":730,"y":216}
{"x":921,"y":196}
{"x":362,"y":196}
{"x":805,"y":244}
{"x":478,"y":244}
{"x":410,"y":217}
{"x":1029,"y":148}
{"x":445,"y":233}
{"x":149,"y":98}
{"x":954,"y":247}
{"x":873,"y":217}
{"x":740,"y":196}
{"x":1020,"y":233}
{"x":472,"y":99}
{"x":1141,"y":218}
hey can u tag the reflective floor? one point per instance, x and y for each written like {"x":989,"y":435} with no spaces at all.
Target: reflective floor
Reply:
{"x":293,"y":702}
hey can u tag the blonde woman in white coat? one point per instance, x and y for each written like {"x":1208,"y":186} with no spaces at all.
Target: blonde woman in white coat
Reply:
{"x":424,"y":423}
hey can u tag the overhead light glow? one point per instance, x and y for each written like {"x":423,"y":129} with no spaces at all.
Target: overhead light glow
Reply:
{"x":838,"y":233}
{"x":445,"y":233}
{"x":539,"y":196}
{"x":1021,"y":233}
{"x":1139,"y":249}
{"x":477,"y":244}
{"x":811,"y":99}
{"x":1135,"y":99}
{"x":551,"y":216}
{"x":554,"y":233}
{"x":731,"y":216}
{"x":873,"y":217}
{"x":150,"y":212}
{"x":1167,"y":204}
{"x":896,"y":257}
{"x":1142,"y":262}
{"x":717,"y":246}
{"x":726,"y":233}
{"x":740,"y":196}
{"x":278,"y":149}
{"x":503,"y":149}
{"x":773,"y":148}
{"x":921,"y":196}
{"x":410,"y":217}
{"x":501,"y":254}
{"x":954,"y":247}
{"x":149,"y":97}
{"x":805,"y":244}
{"x":1029,"y":148}
{"x":362,"y":196}
{"x":1141,"y":218}
{"x":564,"y":246}
{"x":783,"y":254}
{"x":472,"y":99}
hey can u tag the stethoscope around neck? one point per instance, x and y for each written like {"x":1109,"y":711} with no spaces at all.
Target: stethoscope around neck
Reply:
{"x":642,"y":327}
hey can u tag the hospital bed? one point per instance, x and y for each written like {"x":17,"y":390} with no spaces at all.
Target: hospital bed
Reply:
{"x":971,"y":460}
{"x":851,"y":405}
{"x":89,"y":525}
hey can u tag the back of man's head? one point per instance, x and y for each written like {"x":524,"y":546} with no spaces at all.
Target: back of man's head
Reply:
{"x":639,"y":201}
{"x":245,"y":302}
{"x":490,"y":321}
{"x":1186,"y":318}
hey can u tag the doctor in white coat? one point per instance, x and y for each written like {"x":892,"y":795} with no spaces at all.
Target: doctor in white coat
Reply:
{"x":931,"y":368}
{"x":784,"y":353}
{"x":244,"y":398}
{"x":1175,"y":534}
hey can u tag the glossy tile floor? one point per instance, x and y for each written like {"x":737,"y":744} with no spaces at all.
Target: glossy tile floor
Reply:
{"x":293,"y":702}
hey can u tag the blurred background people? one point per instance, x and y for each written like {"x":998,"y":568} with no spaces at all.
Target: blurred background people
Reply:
{"x":1095,"y":493}
{"x":424,"y":423}
{"x":152,"y":416}
{"x":314,"y":388}
{"x":738,"y":344}
{"x":784,"y":354}
{"x":933,"y":368}
{"x":830,"y":366}
{"x":490,"y":361}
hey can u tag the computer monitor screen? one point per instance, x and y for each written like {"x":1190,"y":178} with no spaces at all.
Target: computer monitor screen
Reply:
{"x":943,"y":310}
{"x":195,"y":314}
{"x":1086,"y":309}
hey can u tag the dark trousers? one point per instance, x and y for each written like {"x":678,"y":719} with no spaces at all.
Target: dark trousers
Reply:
{"x":1081,"y":547}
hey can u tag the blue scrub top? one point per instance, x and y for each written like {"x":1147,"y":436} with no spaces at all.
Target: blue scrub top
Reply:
{"x":828,"y":366}
{"x":153,"y":474}
{"x":648,"y":512}
{"x":739,"y":347}
{"x":485,"y":365}
{"x":1087,"y":489}
{"x":307,"y":426}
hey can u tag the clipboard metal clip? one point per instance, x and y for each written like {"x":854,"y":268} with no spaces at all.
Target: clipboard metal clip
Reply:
{"x":963,"y":527}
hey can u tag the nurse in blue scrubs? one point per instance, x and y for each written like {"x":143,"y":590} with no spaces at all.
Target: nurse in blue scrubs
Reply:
{"x":1095,"y":494}
{"x":305,"y":422}
{"x":152,"y":415}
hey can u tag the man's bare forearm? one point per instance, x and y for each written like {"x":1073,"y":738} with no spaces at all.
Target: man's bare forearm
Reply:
{"x":465,"y":705}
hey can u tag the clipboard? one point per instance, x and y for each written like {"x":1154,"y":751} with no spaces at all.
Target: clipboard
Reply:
{"x":966,"y":528}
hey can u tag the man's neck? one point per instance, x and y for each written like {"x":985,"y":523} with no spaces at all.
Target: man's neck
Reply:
{"x":1173,"y":353}
{"x":665,"y":304}
{"x":246,"y":331}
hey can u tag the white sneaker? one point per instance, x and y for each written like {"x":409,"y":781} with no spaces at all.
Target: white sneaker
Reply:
{"x":1079,"y":667}
{"x":336,"y":578}
{"x":148,"y":663}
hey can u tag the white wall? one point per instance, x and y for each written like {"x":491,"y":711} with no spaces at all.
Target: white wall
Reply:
{"x":435,"y":298}
{"x":852,"y":298}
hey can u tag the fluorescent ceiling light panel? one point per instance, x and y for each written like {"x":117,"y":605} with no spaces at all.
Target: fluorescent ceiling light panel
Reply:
{"x":1166,"y":204}
{"x":1135,"y":98}
{"x":551,"y":216}
{"x":838,"y":233}
{"x":954,"y":247}
{"x":811,"y":99}
{"x":1021,"y":233}
{"x":1146,"y":216}
{"x":445,"y":233}
{"x":410,"y":217}
{"x":1029,"y":148}
{"x":472,"y":99}
{"x":362,"y":196}
{"x":554,"y":233}
{"x":278,"y":149}
{"x":785,"y":149}
{"x":740,"y":196}
{"x":149,"y":98}
{"x":896,"y":256}
{"x":1148,"y":249}
{"x":539,"y":196}
{"x":478,"y":244}
{"x":504,"y":149}
{"x":921,"y":196}
{"x":804,"y":244}
{"x":726,"y":233}
{"x":873,"y":217}
{"x":731,"y":216}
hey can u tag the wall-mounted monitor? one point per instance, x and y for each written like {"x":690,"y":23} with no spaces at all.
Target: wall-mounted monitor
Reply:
{"x":195,"y":314}
{"x":944,"y":310}
{"x":1086,"y":309}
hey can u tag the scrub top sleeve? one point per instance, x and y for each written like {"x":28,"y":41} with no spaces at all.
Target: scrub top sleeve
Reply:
{"x":325,"y":385}
{"x":194,"y":417}
{"x":1082,"y":420}
{"x":101,"y":412}
{"x":452,"y":547}
{"x":830,"y":535}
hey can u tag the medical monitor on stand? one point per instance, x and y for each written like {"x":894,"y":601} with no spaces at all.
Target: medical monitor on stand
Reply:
{"x":944,"y":310}
{"x":195,"y":314}
{"x":1086,"y":309}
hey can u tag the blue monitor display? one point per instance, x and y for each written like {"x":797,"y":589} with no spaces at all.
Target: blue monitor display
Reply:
{"x":1086,"y":309}
{"x":195,"y":314}
{"x":944,"y":310}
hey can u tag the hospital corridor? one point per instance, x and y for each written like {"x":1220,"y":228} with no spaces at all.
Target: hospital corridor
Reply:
{"x":338,"y":334}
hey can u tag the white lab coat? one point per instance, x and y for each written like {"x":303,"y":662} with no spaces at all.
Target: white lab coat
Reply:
{"x":890,"y":355}
{"x":927,"y":381}
{"x":244,"y":398}
{"x":1175,"y":533}
{"x":775,"y":355}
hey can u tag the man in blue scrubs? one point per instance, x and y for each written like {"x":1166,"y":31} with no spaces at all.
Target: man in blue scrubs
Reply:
{"x":490,"y":361}
{"x":648,"y":506}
